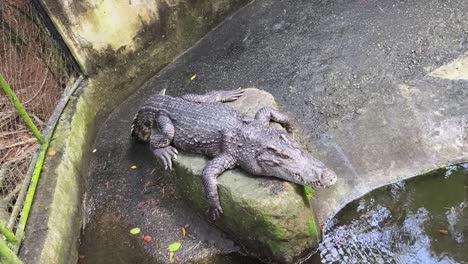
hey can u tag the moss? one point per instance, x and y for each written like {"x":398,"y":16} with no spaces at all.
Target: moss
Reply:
{"x":273,"y":230}
{"x":265,"y":217}
{"x":306,"y":192}
{"x":312,"y":228}
{"x":309,"y":192}
{"x":68,"y":139}
{"x":173,"y":27}
{"x":279,"y":233}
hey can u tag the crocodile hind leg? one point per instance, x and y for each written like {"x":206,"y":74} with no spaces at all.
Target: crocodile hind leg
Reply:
{"x":215,"y":96}
{"x":160,"y":142}
{"x":212,"y":170}
{"x":267,"y":114}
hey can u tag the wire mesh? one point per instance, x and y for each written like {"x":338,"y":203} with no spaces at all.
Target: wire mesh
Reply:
{"x":38,"y":73}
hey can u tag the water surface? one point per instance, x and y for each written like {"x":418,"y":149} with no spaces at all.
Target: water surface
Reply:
{"x":421,"y":220}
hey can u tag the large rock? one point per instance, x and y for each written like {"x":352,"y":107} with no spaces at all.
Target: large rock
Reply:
{"x":271,"y":218}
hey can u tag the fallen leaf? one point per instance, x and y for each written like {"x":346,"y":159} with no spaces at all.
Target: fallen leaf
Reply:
{"x":174,"y":246}
{"x":184,"y":232}
{"x":133,"y":167}
{"x":94,"y":150}
{"x":171,"y":257}
{"x":177,"y":259}
{"x":193,"y":77}
{"x":147,"y":239}
{"x":443,"y":232}
{"x":81,"y":257}
{"x":135,"y":231}
{"x":52,"y":152}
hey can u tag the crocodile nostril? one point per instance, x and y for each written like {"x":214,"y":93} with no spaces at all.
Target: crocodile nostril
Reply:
{"x":328,"y":177}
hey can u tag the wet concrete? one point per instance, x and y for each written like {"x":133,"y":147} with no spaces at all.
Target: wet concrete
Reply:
{"x":355,"y":75}
{"x":120,"y":198}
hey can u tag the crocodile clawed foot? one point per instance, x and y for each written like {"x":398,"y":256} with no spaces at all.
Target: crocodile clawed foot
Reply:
{"x":215,"y":212}
{"x":233,"y":95}
{"x":166,"y":155}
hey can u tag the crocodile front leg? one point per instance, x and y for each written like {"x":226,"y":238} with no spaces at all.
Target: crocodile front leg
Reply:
{"x":213,"y":169}
{"x":215,"y":96}
{"x":160,"y":142}
{"x":267,"y":114}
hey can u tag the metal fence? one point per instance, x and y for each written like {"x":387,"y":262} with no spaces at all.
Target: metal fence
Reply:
{"x":38,"y":72}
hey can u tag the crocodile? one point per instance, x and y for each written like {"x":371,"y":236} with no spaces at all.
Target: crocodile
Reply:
{"x":202,"y":124}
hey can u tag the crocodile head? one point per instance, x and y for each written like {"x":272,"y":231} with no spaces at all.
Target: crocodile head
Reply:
{"x":141,"y":128}
{"x":284,"y":158}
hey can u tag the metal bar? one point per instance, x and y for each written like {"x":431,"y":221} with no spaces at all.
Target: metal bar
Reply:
{"x":6,"y":255}
{"x":10,"y":237}
{"x":30,"y":196}
{"x":31,"y":189}
{"x":22,"y":112}
{"x":24,"y":188}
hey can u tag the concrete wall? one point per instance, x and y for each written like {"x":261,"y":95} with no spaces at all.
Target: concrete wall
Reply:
{"x":102,"y":33}
{"x":119,"y":45}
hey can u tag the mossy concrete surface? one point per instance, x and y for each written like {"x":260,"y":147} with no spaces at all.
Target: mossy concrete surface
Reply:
{"x":271,"y":218}
{"x":107,"y":33}
{"x":53,"y":230}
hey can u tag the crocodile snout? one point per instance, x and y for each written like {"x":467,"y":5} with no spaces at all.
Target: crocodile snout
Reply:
{"x":328,"y":178}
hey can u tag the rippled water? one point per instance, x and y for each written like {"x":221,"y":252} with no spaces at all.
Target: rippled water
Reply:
{"x":422,"y":220}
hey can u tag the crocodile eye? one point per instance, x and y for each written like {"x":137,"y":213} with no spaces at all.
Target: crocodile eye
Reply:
{"x":271,"y":163}
{"x":278,"y":153}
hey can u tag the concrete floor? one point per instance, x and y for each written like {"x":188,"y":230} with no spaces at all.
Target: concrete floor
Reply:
{"x":365,"y":79}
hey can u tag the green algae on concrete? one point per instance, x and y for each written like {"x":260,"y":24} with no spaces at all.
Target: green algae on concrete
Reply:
{"x":105,"y":33}
{"x":270,"y":218}
{"x":52,"y":233}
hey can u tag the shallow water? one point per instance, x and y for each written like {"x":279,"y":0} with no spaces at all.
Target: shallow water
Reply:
{"x":421,"y":220}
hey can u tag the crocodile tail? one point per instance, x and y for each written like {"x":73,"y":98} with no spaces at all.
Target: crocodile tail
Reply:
{"x":142,"y":124}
